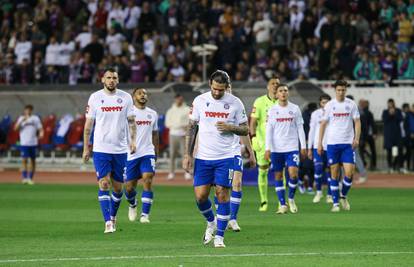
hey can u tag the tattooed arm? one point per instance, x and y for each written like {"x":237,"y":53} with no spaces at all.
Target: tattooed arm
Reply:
{"x":86,"y":135}
{"x":241,"y":130}
{"x":133,"y":134}
{"x":190,"y":138}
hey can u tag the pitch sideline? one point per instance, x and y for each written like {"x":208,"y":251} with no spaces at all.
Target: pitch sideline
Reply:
{"x":349,"y":253}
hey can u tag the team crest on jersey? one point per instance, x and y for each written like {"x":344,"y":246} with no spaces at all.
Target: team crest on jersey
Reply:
{"x":226,"y":106}
{"x":102,"y":101}
{"x":208,"y":104}
{"x":347,"y":108}
{"x":277,"y":112}
{"x":333,"y":108}
{"x":119,"y":100}
{"x":149,"y":116}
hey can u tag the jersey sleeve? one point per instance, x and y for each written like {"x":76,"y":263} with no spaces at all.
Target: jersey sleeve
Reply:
{"x":91,"y":108}
{"x":301,"y":131}
{"x":155,"y":126}
{"x":38,"y":123}
{"x":312,"y":126}
{"x":326,"y":111}
{"x":355,"y":111}
{"x":194,"y":110}
{"x":269,"y":130}
{"x":241,"y":113}
{"x":19,"y":120}
{"x":130,"y":107}
{"x":256,"y":109}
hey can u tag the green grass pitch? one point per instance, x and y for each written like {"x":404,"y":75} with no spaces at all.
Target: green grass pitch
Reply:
{"x":61,"y":225}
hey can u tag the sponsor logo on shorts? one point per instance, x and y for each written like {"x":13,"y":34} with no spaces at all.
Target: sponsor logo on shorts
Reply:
{"x":212,"y":114}
{"x":112,"y":109}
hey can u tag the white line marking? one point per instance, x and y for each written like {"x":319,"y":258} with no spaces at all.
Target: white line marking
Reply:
{"x":367,"y":253}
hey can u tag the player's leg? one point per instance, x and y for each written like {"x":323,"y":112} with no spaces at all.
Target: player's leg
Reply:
{"x":102,"y":162}
{"x":118,"y":163}
{"x":334,"y":154}
{"x":147,"y":169}
{"x":318,"y":175}
{"x":223,"y":176}
{"x":24,"y":155}
{"x":278,"y":163}
{"x":348,"y":160}
{"x":236,"y":193}
{"x":173,"y":155}
{"x":203,"y":179}
{"x":132,"y":176}
{"x":292,"y":162}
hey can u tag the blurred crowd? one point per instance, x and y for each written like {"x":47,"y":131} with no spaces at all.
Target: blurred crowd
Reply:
{"x":73,"y":41}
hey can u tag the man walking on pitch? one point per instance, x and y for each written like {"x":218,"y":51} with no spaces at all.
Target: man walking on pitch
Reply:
{"x":111,"y":109}
{"x":258,"y":132}
{"x":320,"y":162}
{"x":284,"y":131}
{"x":342,"y":138}
{"x":141,"y":164}
{"x":217,"y":116}
{"x":30,"y":128}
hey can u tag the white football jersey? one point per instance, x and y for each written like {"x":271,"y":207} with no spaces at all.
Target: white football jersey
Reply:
{"x":110,"y":113}
{"x":315,"y":123}
{"x":207,"y":111}
{"x":237,"y":146}
{"x":284,"y":129}
{"x":146,"y":122}
{"x":28,"y":130}
{"x":340,"y":116}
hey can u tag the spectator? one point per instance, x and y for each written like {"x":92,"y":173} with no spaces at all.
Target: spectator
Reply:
{"x":388,"y":66}
{"x":392,"y":118}
{"x":100,"y":17}
{"x":114,"y":42}
{"x":84,"y":38}
{"x":405,"y":67}
{"x":363,"y":68}
{"x":173,"y":16}
{"x":406,"y":137}
{"x":67,"y":48}
{"x":386,"y":13}
{"x":262,"y":29}
{"x":39,"y":69}
{"x":327,"y":30}
{"x":52,"y":75}
{"x":132,"y":13}
{"x":177,"y":71}
{"x":307,"y":28}
{"x":227,"y":20}
{"x":116,"y":17}
{"x":324,"y":60}
{"x":139,"y":69}
{"x":147,"y":21}
{"x":23,"y":49}
{"x":52,"y":52}
{"x":86,"y":70}
{"x":375,"y":71}
{"x":38,"y":39}
{"x":405,"y":31}
{"x":10,"y":70}
{"x":411,"y":126}
{"x":95,"y":49}
{"x":296,"y":17}
{"x":368,"y":134}
{"x":176,"y":120}
{"x":281,"y":35}
{"x":25,"y":72}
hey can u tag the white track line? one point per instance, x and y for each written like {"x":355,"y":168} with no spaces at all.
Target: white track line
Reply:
{"x":367,"y":253}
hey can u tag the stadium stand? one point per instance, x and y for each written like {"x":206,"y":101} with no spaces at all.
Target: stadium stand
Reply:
{"x":72,"y":42}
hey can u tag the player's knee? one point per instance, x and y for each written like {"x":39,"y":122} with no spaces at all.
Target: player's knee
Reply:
{"x":201,"y":198}
{"x":104,"y":184}
{"x":129,"y":187}
{"x":318,"y":168}
{"x":279,"y":176}
{"x":264,"y":167}
{"x":236,"y":185}
{"x":222,"y":195}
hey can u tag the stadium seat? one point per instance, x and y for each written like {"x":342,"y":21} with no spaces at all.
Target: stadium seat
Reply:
{"x":49,"y":124}
{"x":5,"y":124}
{"x":75,"y":134}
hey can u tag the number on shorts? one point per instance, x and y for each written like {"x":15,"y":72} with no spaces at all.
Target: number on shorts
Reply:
{"x":240,"y":161}
{"x":152,"y":164}
{"x":231,"y":173}
{"x":296,"y":159}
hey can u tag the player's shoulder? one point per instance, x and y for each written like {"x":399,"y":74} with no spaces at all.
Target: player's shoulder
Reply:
{"x":201,"y":98}
{"x":261,"y":99}
{"x":151,"y":111}
{"x":350,"y":101}
{"x":96,"y":94}
{"x":233,"y":99}
{"x":123,"y":94}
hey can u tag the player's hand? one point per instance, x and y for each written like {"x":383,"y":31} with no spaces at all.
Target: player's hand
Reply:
{"x":267,"y":155}
{"x":132,"y":147}
{"x":355,"y":144}
{"x":303,"y":153}
{"x":223,"y":127}
{"x":252,"y":160}
{"x":310,"y":154}
{"x":86,"y":155}
{"x":320,"y":150}
{"x":188,"y":164}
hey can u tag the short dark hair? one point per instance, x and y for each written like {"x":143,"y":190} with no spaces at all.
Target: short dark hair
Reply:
{"x":28,"y":107}
{"x":405,"y":105}
{"x":325,"y":97}
{"x":137,"y":89}
{"x":281,"y":85}
{"x":220,"y":76}
{"x":390,"y":100}
{"x":110,"y":69}
{"x":177,"y":95}
{"x":340,"y":83}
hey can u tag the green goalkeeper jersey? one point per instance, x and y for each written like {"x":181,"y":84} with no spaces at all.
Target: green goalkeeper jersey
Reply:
{"x":260,"y":107}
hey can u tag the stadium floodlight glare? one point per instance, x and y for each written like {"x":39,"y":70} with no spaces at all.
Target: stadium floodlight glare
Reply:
{"x":203,"y":51}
